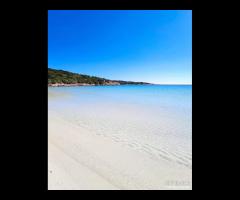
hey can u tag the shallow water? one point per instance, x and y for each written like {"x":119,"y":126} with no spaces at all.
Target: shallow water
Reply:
{"x":155,"y":120}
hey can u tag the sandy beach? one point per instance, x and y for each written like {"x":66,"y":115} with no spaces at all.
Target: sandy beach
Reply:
{"x":80,"y":160}
{"x":119,"y":99}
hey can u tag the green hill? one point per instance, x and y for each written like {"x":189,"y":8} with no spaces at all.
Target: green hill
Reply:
{"x":65,"y":78}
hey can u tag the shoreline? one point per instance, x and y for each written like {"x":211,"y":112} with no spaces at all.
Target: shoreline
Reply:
{"x":86,"y":84}
{"x":69,"y":85}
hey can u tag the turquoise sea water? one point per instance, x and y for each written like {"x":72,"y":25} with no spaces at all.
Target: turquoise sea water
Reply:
{"x":169,"y":95}
{"x":153,"y":119}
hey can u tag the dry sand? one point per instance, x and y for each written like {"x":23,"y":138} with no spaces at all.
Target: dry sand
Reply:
{"x":81,"y":160}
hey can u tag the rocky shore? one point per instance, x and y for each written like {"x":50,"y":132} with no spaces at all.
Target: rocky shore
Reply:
{"x":80,"y":84}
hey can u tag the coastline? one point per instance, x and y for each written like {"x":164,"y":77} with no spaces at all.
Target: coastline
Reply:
{"x":78,"y":84}
{"x":69,"y":85}
{"x":86,"y":84}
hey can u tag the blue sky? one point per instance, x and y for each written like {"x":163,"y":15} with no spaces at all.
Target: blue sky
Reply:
{"x":142,"y":45}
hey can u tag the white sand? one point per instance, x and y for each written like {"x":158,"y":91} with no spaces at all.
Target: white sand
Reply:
{"x":79,"y":159}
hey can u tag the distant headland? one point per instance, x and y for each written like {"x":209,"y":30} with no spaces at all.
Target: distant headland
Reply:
{"x":58,"y":78}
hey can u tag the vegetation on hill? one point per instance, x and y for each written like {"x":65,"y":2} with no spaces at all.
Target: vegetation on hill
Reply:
{"x":65,"y":77}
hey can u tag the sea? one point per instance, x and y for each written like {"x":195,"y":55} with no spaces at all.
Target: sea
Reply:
{"x":155,"y":120}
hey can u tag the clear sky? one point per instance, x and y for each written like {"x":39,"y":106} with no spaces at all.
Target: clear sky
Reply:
{"x":142,"y":45}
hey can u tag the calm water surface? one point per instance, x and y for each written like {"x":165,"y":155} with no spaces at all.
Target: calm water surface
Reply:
{"x":153,"y":119}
